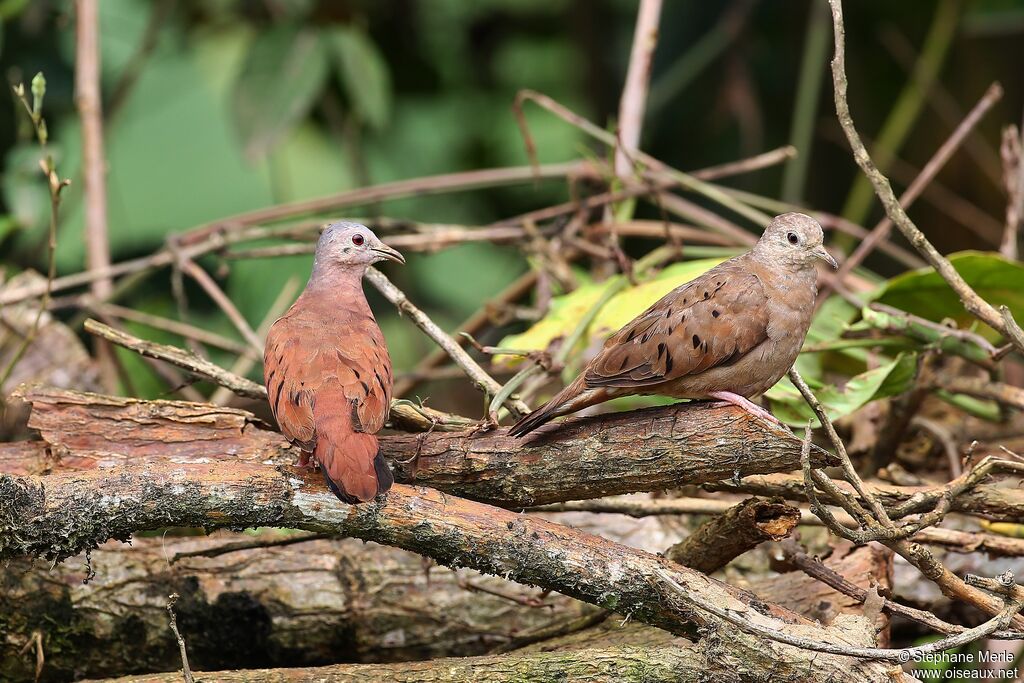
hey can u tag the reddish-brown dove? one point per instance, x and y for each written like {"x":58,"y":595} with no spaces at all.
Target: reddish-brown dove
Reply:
{"x":327,"y":369}
{"x":730,"y":334}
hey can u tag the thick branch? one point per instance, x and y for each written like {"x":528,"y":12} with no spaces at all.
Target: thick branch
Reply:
{"x":62,"y":514}
{"x":641,"y":450}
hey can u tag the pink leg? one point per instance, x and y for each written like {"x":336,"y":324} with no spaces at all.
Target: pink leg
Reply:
{"x":305,"y":461}
{"x":739,"y":401}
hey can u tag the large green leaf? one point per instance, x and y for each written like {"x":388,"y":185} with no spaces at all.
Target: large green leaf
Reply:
{"x":889,"y":379}
{"x":363,"y":74}
{"x":281,"y":77}
{"x":924,"y":293}
{"x":567,"y":311}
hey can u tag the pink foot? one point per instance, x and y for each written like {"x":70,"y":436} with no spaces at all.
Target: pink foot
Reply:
{"x":740,"y":402}
{"x":305,"y":461}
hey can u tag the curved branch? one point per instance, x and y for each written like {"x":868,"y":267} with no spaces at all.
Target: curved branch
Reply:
{"x":60,"y":515}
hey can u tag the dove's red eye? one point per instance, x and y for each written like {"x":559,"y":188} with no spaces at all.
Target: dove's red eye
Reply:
{"x":357,"y":240}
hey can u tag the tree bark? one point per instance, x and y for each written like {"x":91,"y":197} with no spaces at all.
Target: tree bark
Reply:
{"x":641,"y":450}
{"x":612,"y":665}
{"x":725,"y":537}
{"x":319,"y":602}
{"x":58,"y":515}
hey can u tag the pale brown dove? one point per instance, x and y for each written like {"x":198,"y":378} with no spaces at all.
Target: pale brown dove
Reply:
{"x":327,"y":368}
{"x":730,"y":334}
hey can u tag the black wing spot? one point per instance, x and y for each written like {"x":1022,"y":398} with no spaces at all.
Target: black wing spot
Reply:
{"x":661,"y":349}
{"x":696,"y":341}
{"x":668,"y":313}
{"x":277,"y":396}
{"x":624,"y":363}
{"x":366,"y":388}
{"x":706,"y":296}
{"x":356,"y":370}
{"x":668,"y":363}
{"x":715,"y":314}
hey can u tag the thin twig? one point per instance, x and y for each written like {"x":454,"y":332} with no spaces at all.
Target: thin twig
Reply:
{"x":996,"y":623}
{"x":928,"y":173}
{"x":237,"y":546}
{"x":55,"y":185}
{"x":476,"y":373}
{"x":172,"y":599}
{"x":818,"y":570}
{"x":632,"y":104}
{"x":165,"y":324}
{"x":194,"y":365}
{"x":214,"y":236}
{"x":224,"y":302}
{"x":683,"y":179}
{"x":249,"y":358}
{"x":970,"y":299}
{"x":1012,"y":153}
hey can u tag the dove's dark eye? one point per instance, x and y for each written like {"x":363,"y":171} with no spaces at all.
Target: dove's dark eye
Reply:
{"x":791,"y":236}
{"x":357,"y":240}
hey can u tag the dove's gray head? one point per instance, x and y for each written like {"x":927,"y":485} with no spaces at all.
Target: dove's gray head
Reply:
{"x":793,"y":239}
{"x":350,"y":245}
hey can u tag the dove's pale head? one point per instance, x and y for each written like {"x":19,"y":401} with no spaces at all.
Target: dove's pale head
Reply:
{"x":795,"y":240}
{"x":351,"y":246}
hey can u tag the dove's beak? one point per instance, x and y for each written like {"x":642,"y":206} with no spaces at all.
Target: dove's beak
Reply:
{"x":386,"y":252}
{"x":820,"y":252}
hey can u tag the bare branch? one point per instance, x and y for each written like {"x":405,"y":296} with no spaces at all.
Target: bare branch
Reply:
{"x":970,"y":299}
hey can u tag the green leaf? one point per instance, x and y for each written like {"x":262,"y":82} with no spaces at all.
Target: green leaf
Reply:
{"x":924,"y":293}
{"x":281,"y":77}
{"x":890,"y":379}
{"x":567,"y":311}
{"x":362,"y":73}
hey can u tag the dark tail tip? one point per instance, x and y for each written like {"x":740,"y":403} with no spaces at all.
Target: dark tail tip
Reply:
{"x":384,"y":477}
{"x":384,"y":481}
{"x":531,"y":422}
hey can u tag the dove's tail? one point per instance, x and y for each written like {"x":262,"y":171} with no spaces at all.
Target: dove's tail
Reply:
{"x":574,"y":397}
{"x":351,"y":461}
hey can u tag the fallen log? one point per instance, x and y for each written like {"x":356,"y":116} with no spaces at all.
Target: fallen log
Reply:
{"x":59,"y":515}
{"x":675,"y":664}
{"x":319,"y":602}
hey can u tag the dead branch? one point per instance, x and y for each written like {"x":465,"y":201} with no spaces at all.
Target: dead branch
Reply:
{"x":953,"y":540}
{"x":62,"y":514}
{"x":644,"y":450}
{"x":742,"y":527}
{"x":881,"y":231}
{"x":479,"y":376}
{"x":403,"y":413}
{"x":970,"y":299}
{"x":218,"y":234}
{"x":270,"y":605}
{"x":666,"y":664}
{"x":94,"y":170}
{"x":632,"y":104}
